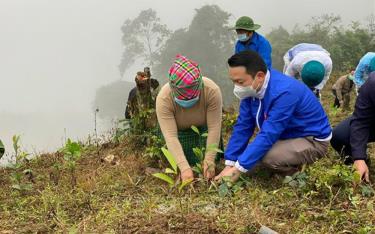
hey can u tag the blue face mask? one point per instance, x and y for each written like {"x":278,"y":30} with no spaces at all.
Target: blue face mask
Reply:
{"x":186,"y":103}
{"x":243,"y":37}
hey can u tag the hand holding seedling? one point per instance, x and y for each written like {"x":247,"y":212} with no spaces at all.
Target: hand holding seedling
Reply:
{"x":208,"y":170}
{"x":362,"y":169}
{"x":232,"y":172}
{"x":224,"y":171}
{"x":187,"y":175}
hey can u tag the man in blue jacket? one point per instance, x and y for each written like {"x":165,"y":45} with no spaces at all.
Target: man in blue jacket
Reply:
{"x":293,"y":128}
{"x":248,"y":39}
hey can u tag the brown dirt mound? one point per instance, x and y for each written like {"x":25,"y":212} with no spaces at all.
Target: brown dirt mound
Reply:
{"x":173,"y":223}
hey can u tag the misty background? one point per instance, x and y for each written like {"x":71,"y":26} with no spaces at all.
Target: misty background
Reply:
{"x":56,"y":56}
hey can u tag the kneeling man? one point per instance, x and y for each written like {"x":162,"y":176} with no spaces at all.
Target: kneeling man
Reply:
{"x":293,"y":128}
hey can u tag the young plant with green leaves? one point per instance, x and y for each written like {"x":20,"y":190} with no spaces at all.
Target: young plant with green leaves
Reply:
{"x":199,"y":152}
{"x":153,"y":150}
{"x":72,"y":153}
{"x":171,"y":172}
{"x":122,"y":128}
{"x":338,"y":179}
{"x":227,"y":188}
{"x":140,"y":122}
{"x":334,"y":110}
{"x":17,"y":175}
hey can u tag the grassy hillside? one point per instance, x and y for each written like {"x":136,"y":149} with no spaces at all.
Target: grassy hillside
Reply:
{"x":106,"y":189}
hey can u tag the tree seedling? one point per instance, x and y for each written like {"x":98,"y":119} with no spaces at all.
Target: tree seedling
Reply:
{"x":173,"y":170}
{"x":72,"y":153}
{"x":16,"y":175}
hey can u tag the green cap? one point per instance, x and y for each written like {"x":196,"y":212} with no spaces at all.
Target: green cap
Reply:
{"x":246,"y":23}
{"x":312,"y":73}
{"x":372,"y":65}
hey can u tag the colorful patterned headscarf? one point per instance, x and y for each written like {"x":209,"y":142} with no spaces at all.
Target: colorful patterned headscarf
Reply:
{"x":185,"y":78}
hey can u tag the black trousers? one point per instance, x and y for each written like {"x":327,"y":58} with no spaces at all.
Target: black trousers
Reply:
{"x":337,"y":101}
{"x":346,"y":99}
{"x":316,"y":92}
{"x":341,"y":140}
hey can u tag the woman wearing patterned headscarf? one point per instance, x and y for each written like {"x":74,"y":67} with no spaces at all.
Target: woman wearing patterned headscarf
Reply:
{"x":189,"y":100}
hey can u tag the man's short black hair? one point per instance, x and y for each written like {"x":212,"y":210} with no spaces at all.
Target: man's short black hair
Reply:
{"x":251,"y":60}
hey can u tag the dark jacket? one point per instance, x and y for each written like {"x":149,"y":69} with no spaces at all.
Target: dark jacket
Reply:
{"x":131,"y":97}
{"x":132,"y":103}
{"x":363,"y":121}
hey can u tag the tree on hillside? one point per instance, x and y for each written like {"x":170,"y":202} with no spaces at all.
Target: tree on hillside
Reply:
{"x":142,"y":39}
{"x":280,"y":40}
{"x":345,"y":44}
{"x":208,"y":41}
{"x":348,"y":46}
{"x":371,"y":26}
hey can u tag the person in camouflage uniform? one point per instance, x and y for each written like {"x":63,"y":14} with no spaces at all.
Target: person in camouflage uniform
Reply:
{"x":141,"y":100}
{"x":342,"y":89}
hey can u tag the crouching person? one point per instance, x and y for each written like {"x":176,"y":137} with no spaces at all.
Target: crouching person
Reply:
{"x":311,"y":63}
{"x":293,"y":127}
{"x":342,"y":89}
{"x":351,"y":136}
{"x":189,"y":100}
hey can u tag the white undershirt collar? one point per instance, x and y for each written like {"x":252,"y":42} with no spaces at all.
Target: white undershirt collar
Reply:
{"x":262,"y":91}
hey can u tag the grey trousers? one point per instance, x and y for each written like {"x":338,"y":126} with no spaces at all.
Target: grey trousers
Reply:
{"x":289,"y":155}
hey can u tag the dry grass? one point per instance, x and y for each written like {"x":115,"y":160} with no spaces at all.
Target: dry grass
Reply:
{"x":120,"y":198}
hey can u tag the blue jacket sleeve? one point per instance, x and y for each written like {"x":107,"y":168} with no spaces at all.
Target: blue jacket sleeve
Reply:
{"x":265,"y":51}
{"x":242,"y":131}
{"x":271,"y":129}
{"x":236,"y":48}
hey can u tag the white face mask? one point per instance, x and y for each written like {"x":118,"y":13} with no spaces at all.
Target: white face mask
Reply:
{"x":244,"y":92}
{"x":243,"y":37}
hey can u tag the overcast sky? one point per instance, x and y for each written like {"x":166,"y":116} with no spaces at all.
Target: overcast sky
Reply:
{"x":54,"y":54}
